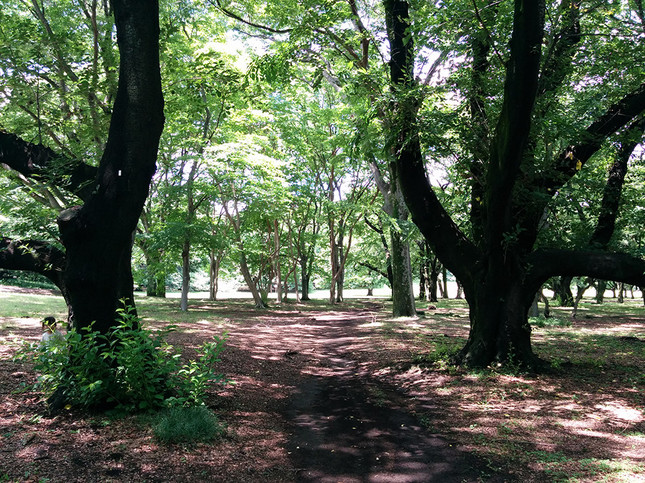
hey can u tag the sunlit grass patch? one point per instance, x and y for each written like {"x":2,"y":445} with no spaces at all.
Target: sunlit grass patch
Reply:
{"x":13,"y":305}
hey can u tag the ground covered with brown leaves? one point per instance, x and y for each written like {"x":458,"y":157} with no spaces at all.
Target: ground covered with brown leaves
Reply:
{"x":348,"y":394}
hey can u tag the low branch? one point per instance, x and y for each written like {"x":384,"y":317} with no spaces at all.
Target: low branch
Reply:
{"x":43,"y":164}
{"x":619,"y":267}
{"x":374,"y":269}
{"x":33,"y":256}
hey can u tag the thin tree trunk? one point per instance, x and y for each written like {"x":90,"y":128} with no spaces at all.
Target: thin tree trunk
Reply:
{"x":580,"y":292}
{"x":276,"y":254}
{"x":213,"y":272}
{"x":601,"y":285}
{"x":185,"y":275}
{"x":248,"y":278}
{"x":444,"y":275}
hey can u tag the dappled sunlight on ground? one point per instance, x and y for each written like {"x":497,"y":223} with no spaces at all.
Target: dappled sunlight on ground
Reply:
{"x":302,"y":373}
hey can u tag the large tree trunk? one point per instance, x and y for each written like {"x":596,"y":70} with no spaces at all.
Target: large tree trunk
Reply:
{"x":499,"y":330}
{"x":98,"y":236}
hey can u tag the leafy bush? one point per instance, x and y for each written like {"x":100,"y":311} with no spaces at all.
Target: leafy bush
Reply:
{"x":131,"y":368}
{"x":186,"y":425}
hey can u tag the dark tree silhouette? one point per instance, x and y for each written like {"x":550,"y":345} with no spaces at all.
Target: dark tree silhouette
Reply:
{"x":500,"y":266}
{"x":94,"y":270}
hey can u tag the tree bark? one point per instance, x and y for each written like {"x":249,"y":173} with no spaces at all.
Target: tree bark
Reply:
{"x":246,"y":273}
{"x":399,"y":264}
{"x":98,"y":236}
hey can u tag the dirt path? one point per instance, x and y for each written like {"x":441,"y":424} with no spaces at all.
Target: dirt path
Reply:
{"x":343,"y":424}
{"x":308,"y":404}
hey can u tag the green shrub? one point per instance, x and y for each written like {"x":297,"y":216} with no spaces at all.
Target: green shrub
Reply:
{"x":187,"y":425}
{"x":131,"y":368}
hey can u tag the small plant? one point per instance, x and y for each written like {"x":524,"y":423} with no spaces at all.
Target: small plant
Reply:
{"x":542,"y":321}
{"x":442,"y":354}
{"x":187,"y":425}
{"x":130,"y":368}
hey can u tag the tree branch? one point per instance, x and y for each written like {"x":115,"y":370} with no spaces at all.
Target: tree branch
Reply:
{"x":514,"y":125}
{"x":43,"y":164}
{"x":572,"y":159}
{"x":33,"y":256}
{"x":612,"y":193}
{"x":266,"y":28}
{"x":618,"y":267}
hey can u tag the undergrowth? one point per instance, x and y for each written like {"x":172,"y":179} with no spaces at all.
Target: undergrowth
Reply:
{"x":129,"y":369}
{"x":187,"y":425}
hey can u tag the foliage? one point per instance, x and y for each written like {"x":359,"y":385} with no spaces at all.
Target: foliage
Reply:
{"x":187,"y":425}
{"x":131,"y":368}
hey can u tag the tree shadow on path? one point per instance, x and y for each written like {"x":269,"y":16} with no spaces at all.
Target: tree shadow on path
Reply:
{"x":342,"y":433}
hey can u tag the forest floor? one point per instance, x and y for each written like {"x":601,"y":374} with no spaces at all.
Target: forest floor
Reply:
{"x":348,"y":394}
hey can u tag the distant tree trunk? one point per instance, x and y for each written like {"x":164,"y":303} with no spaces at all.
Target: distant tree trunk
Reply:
{"x":276,"y":255}
{"x":460,"y":290}
{"x":444,"y":279}
{"x":246,"y":273}
{"x":156,"y":277}
{"x":340,"y":274}
{"x":435,"y":269}
{"x":304,"y":280}
{"x":563,"y":290}
{"x":185,"y":275}
{"x":581,"y":288}
{"x":215,"y":259}
{"x":545,"y":300}
{"x":621,"y":292}
{"x":534,"y":311}
{"x":422,"y":281}
{"x":601,"y":286}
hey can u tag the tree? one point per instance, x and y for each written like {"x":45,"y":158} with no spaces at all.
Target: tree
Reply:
{"x":97,"y":236}
{"x":335,"y":48}
{"x":513,"y":175}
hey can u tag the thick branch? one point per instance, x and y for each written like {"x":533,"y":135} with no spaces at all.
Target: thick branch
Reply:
{"x":514,"y":124}
{"x":571,"y":160}
{"x":613,"y":189}
{"x":618,"y":267}
{"x":43,"y":164}
{"x":33,"y":256}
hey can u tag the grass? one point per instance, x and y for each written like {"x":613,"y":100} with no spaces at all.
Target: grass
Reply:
{"x":578,"y":424}
{"x":188,"y":425}
{"x":30,"y":306}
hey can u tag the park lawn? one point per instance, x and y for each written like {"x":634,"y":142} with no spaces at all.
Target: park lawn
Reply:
{"x":584,"y":421}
